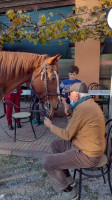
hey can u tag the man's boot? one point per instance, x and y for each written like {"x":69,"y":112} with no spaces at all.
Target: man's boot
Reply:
{"x":72,"y":195}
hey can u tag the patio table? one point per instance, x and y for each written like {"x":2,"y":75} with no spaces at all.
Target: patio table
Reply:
{"x":99,"y":92}
{"x":91,"y":92}
{"x":102,"y":93}
{"x":26,"y":92}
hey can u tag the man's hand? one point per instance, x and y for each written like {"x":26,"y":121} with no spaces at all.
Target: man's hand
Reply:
{"x":66,"y":106}
{"x":47,"y":122}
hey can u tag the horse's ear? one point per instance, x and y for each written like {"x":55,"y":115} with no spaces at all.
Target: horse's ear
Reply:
{"x":53,"y":60}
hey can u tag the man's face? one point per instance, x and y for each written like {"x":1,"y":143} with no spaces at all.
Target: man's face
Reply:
{"x":72,"y":76}
{"x":73,"y":96}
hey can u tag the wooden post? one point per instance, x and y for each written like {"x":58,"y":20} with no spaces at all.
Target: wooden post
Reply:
{"x":87,"y":54}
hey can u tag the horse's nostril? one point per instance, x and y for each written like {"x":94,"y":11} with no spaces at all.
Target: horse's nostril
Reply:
{"x":57,"y":106}
{"x":51,"y":77}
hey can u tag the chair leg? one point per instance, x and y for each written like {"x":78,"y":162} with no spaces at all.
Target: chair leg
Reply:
{"x":80,"y":183}
{"x":102,"y":107}
{"x":74,"y":173}
{"x":108,"y":109}
{"x":4,"y":106}
{"x":15,"y":131}
{"x":33,"y":128}
{"x":103,"y":175}
{"x":109,"y":167}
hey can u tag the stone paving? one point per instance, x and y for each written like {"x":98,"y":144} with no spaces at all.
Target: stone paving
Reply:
{"x":25,"y":144}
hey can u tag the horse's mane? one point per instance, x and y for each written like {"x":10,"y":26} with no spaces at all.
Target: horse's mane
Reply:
{"x":18,"y":62}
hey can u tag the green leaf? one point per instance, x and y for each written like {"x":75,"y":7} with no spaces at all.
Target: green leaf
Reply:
{"x":43,"y":19}
{"x":51,"y":14}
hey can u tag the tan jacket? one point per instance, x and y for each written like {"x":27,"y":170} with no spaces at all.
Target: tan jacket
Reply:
{"x":86,"y":128}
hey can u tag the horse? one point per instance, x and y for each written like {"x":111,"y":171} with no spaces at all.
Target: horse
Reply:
{"x":42,"y":71}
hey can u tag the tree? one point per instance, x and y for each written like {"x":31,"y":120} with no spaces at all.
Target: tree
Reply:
{"x":74,"y":27}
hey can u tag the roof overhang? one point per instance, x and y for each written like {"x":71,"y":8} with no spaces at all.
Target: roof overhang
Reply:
{"x":32,"y":4}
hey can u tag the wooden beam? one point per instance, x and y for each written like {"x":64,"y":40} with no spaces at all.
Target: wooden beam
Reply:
{"x":32,"y":5}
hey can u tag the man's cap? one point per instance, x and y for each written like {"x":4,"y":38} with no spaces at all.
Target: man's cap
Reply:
{"x":78,"y":87}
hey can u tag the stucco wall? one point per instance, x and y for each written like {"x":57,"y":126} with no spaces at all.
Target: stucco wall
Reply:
{"x":88,"y":3}
{"x":87,"y":58}
{"x":87,"y":54}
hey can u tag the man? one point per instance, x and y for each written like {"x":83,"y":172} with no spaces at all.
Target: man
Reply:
{"x":83,"y":144}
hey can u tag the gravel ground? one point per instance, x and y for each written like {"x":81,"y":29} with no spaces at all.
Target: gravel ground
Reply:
{"x":25,"y":179}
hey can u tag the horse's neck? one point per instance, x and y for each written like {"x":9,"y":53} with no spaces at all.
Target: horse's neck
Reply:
{"x":19,"y":69}
{"x":15,"y":82}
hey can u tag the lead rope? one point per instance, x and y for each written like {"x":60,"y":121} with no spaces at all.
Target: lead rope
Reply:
{"x":47,"y":104}
{"x":21,"y":108}
{"x":37,"y":138}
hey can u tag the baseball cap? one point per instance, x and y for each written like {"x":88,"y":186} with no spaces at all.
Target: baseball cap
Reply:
{"x":78,"y":87}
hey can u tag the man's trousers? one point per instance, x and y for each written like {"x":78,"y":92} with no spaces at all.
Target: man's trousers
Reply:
{"x":65,"y":156}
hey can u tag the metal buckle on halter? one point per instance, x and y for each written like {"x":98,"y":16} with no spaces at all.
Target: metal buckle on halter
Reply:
{"x":43,"y":75}
{"x":48,"y":108}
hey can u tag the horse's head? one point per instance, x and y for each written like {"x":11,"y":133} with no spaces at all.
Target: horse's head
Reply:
{"x":45,"y":83}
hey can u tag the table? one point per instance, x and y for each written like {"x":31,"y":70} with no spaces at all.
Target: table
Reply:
{"x":91,"y":92}
{"x":102,"y":93}
{"x":26,"y":92}
{"x":99,"y":92}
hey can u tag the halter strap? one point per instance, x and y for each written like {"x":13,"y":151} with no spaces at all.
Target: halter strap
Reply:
{"x":36,"y":76}
{"x":47,"y":104}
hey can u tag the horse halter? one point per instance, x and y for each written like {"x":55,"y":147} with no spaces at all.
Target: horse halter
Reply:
{"x":44,"y":77}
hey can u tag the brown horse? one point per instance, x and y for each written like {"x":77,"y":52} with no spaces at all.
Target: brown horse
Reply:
{"x":17,"y":68}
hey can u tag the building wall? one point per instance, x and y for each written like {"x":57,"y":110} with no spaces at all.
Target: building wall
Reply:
{"x":87,"y":54}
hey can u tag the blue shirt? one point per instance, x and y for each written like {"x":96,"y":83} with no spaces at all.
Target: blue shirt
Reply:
{"x":65,"y":85}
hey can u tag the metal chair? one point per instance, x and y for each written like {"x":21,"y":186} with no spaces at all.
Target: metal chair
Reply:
{"x":91,"y":85}
{"x":22,"y":115}
{"x":101,"y":100}
{"x":103,"y":167}
{"x":26,"y":97}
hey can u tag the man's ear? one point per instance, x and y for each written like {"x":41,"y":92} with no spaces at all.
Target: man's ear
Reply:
{"x":77,"y":96}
